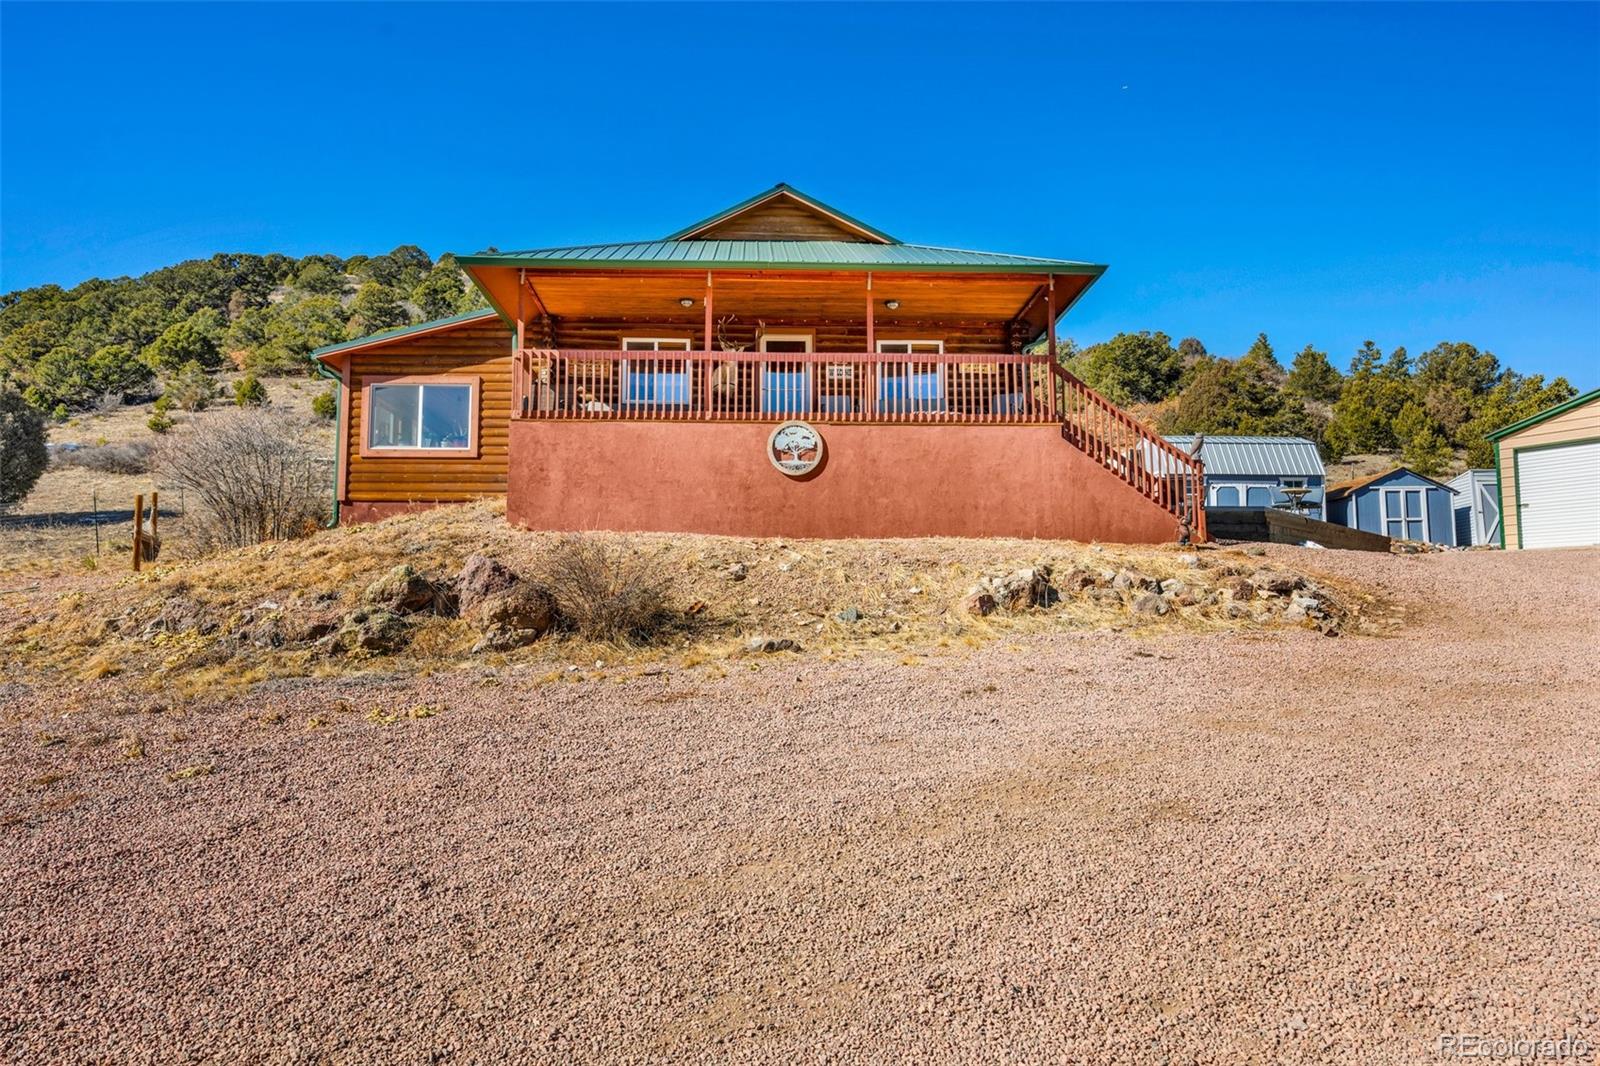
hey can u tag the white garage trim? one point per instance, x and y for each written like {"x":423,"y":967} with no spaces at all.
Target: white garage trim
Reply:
{"x":1558,"y":488}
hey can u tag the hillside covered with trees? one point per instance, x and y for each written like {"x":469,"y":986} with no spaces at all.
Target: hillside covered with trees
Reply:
{"x":170,"y":331}
{"x":1433,"y":410}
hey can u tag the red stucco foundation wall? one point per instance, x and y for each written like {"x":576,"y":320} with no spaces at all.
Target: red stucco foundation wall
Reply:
{"x":359,"y":511}
{"x":875,"y":481}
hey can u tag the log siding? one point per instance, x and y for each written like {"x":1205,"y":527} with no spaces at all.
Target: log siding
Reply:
{"x":478,"y":350}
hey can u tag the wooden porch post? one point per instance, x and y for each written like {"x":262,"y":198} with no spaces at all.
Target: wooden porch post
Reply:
{"x":519,"y":362}
{"x":1050,"y":331}
{"x":872,"y":324}
{"x":522,"y":284}
{"x":870,"y":371}
{"x":710,"y":369}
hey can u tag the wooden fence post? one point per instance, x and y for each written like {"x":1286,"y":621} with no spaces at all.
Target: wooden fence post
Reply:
{"x":138,"y":530}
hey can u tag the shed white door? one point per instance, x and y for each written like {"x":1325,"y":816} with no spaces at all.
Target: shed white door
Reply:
{"x":1558,"y":496}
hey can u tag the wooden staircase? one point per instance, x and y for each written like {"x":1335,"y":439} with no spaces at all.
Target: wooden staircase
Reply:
{"x":1161,"y":472}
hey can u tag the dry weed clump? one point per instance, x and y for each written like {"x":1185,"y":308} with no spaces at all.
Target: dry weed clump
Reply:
{"x":125,"y":457}
{"x":608,"y":592}
{"x":254,"y":481}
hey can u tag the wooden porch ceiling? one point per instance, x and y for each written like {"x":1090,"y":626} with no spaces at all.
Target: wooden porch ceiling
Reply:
{"x":641,"y":295}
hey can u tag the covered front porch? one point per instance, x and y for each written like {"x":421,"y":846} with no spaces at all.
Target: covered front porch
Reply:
{"x":861,"y":346}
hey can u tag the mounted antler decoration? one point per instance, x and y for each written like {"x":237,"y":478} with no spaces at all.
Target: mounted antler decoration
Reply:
{"x":722,"y":336}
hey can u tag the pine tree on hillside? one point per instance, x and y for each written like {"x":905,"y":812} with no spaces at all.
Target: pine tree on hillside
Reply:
{"x":1313,"y":377}
{"x":1423,"y":446}
{"x":1262,"y":359}
{"x":439,"y":294}
{"x":376,"y":308}
{"x":1130,"y":367}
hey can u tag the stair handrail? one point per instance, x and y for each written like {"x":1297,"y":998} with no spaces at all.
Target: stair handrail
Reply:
{"x":1189,"y":507}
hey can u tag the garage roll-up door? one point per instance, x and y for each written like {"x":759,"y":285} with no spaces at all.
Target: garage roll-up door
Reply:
{"x":1558,"y":495}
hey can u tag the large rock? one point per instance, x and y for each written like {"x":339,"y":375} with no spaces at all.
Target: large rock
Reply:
{"x":310,"y":625}
{"x":771,"y":645}
{"x":1132,"y":581}
{"x":1150,"y":603}
{"x":1276,"y":582}
{"x":524,"y":606}
{"x":1028,"y":587}
{"x":513,"y":618}
{"x":979,"y":602}
{"x":1303,"y":607}
{"x":403,"y":591}
{"x":1082,"y":580}
{"x":374,"y":630}
{"x":481,"y":579}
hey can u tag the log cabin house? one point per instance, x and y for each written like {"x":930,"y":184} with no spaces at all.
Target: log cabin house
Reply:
{"x":777,"y":369}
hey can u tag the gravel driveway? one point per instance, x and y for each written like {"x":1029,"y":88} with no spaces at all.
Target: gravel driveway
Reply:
{"x":1220,"y":848}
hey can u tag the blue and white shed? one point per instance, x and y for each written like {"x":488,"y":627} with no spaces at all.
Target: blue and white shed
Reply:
{"x":1397,"y":503}
{"x":1284,"y":472}
{"x":1477,"y":507}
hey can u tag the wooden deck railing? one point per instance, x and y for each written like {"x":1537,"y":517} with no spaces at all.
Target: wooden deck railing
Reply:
{"x":572,"y":384}
{"x":1155,"y":467}
{"x":823,"y":386}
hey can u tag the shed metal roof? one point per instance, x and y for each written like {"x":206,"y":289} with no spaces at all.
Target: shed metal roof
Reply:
{"x":790,"y":255}
{"x":1255,"y":456}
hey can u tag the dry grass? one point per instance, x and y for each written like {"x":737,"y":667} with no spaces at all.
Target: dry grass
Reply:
{"x":52,"y":532}
{"x":92,"y":626}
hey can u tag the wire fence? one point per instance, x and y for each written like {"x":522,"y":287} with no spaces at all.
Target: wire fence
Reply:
{"x":90,"y":524}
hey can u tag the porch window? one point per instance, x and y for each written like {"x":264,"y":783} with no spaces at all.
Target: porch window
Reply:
{"x":911,"y":385}
{"x":434,"y":415}
{"x":786,"y":383}
{"x":654,"y":380}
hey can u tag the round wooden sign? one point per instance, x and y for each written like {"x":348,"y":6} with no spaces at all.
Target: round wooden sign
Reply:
{"x":795,"y":448}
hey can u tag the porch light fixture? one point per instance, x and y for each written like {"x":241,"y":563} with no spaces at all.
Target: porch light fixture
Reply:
{"x":686,"y":301}
{"x":893,"y":305}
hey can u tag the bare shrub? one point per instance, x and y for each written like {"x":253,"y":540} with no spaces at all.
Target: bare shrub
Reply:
{"x":254,"y":482}
{"x":608,"y":592}
{"x":132,"y":457}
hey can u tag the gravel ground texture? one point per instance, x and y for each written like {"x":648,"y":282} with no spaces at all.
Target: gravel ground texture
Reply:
{"x":1097,"y":846}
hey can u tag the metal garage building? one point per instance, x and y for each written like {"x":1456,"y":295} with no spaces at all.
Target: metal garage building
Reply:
{"x":1549,"y":468}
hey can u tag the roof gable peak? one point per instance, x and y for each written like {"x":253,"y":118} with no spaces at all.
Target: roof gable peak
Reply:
{"x":783,"y":213}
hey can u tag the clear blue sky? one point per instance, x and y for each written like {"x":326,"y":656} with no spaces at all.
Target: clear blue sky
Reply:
{"x":1325,"y":174}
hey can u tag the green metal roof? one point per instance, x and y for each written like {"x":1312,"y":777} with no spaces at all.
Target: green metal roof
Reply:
{"x":782,"y":189}
{"x":404,"y":331}
{"x":788,"y":255}
{"x":1534,"y":420}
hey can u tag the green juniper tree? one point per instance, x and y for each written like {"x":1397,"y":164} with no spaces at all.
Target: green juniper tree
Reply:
{"x":23,"y":455}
